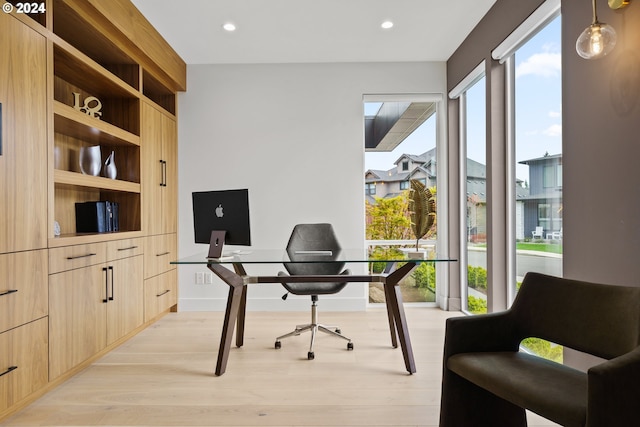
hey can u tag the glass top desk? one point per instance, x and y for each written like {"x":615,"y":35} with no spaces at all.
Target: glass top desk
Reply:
{"x":231,"y":270}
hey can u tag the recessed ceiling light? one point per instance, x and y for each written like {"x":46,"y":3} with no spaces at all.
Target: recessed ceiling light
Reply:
{"x":229,"y":26}
{"x":387,"y":24}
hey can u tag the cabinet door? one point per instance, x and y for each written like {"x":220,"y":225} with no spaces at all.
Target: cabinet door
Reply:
{"x":23,"y":288}
{"x":125,"y":309}
{"x":152,"y":169}
{"x":77,"y":317}
{"x":159,"y":171}
{"x":23,"y":149}
{"x":170,"y":191}
{"x":23,"y":362}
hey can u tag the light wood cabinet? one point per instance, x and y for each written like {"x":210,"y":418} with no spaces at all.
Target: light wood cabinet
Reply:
{"x":23,"y":146}
{"x":159,"y":251}
{"x":160,"y":284}
{"x":23,"y":362}
{"x":160,"y":294}
{"x":92,"y":307}
{"x":73,"y":76}
{"x":160,"y":178}
{"x":23,"y":288}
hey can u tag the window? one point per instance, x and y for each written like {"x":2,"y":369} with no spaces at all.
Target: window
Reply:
{"x":388,"y":222}
{"x":544,"y":215}
{"x":552,"y":176}
{"x":370,"y":189}
{"x":473,"y":205}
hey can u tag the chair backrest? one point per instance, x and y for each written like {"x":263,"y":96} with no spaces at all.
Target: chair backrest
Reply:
{"x":314,"y":237}
{"x":538,"y":230}
{"x":602,"y":320}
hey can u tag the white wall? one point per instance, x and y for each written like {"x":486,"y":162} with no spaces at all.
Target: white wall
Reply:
{"x":293,"y":135}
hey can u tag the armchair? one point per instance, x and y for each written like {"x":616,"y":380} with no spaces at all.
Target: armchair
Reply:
{"x":487,"y":381}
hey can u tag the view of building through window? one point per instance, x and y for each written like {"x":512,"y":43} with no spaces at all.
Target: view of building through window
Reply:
{"x":389,"y":168}
{"x":538,"y":175}
{"x":476,"y":198}
{"x":538,"y":154}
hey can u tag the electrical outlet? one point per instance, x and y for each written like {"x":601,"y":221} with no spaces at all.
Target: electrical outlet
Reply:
{"x":199,"y":278}
{"x":208,"y":278}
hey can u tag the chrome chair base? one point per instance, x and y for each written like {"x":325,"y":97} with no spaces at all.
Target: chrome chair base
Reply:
{"x":314,"y":327}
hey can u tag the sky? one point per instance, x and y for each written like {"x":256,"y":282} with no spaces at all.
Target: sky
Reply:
{"x":538,"y":109}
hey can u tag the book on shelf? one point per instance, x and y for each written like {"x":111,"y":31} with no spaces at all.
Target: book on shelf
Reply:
{"x":97,"y":217}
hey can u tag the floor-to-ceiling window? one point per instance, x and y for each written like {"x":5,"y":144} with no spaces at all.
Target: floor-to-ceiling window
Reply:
{"x":475,"y":194}
{"x":472,"y":163}
{"x":538,"y":153}
{"x":532,"y":58}
{"x":401,"y":139}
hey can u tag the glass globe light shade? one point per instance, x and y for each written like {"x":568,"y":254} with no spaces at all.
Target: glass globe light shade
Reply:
{"x":596,"y":41}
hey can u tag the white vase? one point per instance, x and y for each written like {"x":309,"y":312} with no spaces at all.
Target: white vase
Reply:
{"x":90,"y":160}
{"x":110,"y":170}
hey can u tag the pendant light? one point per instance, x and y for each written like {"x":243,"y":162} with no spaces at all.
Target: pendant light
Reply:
{"x":597,"y":39}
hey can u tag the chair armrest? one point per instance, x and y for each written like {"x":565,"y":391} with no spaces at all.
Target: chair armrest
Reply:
{"x":614,"y":387}
{"x":485,"y":332}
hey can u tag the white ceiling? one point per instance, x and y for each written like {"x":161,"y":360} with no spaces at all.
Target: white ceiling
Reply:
{"x":299,"y":31}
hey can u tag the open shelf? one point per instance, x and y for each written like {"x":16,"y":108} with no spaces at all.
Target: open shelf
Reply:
{"x":72,"y":122}
{"x":76,"y":179}
{"x":73,"y":27}
{"x":158,"y":93}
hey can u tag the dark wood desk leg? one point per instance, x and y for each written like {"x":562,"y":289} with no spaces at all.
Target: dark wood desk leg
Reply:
{"x":392,"y":323}
{"x":394,"y":295}
{"x":236,"y":285}
{"x":242,"y":310}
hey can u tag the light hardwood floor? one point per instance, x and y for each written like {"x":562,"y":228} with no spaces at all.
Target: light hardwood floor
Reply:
{"x":164,"y":376}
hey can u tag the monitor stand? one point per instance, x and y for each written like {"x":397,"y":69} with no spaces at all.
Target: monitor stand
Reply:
{"x":216,"y":243}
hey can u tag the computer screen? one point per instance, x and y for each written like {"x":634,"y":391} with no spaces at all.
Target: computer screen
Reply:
{"x":226,"y":210}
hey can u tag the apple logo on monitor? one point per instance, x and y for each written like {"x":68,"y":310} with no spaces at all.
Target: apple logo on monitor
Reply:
{"x":219,"y":212}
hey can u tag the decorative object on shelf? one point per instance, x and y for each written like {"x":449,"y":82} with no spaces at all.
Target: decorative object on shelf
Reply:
{"x":90,"y":160}
{"x":110,"y":170}
{"x":56,"y":228}
{"x":93,"y":111}
{"x":597,"y":40}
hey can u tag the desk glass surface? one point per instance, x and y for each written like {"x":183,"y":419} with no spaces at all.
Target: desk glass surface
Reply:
{"x":278,"y":256}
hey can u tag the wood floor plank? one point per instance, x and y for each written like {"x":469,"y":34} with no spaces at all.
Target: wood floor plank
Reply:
{"x":164,"y":377}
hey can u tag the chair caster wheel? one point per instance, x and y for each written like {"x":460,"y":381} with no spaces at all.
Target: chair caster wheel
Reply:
{"x":310,"y":355}
{"x":278,"y":344}
{"x":338,"y":331}
{"x":350,"y":346}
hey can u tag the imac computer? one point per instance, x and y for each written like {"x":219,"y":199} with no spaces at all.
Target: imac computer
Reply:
{"x":221,"y":217}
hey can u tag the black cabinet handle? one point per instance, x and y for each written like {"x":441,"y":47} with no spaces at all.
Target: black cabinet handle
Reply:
{"x":168,"y":290}
{"x":163,"y":254}
{"x":11,"y":368}
{"x":112,"y":295}
{"x":80,"y":256}
{"x":106,"y":285}
{"x":163,"y":165}
{"x":10,"y":291}
{"x":127,"y":249}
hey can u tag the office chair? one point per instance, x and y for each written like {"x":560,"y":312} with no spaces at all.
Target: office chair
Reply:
{"x":314,"y":243}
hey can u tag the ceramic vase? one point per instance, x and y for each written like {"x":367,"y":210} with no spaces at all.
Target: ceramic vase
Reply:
{"x":90,"y":160}
{"x":110,"y":170}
